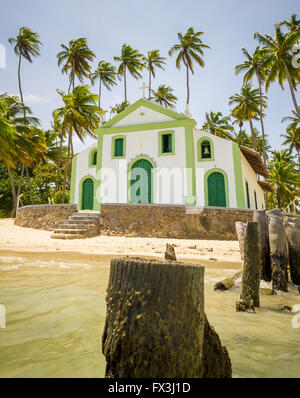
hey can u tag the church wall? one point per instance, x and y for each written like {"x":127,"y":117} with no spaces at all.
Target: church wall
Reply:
{"x":250,"y":176}
{"x":223,"y":159}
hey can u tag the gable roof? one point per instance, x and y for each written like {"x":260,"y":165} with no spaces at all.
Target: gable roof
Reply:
{"x":170,"y":114}
{"x":255,"y":161}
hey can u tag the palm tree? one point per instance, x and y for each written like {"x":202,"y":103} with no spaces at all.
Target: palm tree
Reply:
{"x":75,"y":60}
{"x":164,"y":96}
{"x":278,"y":58}
{"x":106,"y":73}
{"x":284,"y":178}
{"x":217,"y":124}
{"x":132,"y":61}
{"x":292,"y":24}
{"x":241,"y":138}
{"x":254,"y":66}
{"x":27,"y":45}
{"x":117,"y":108}
{"x":190,"y":49}
{"x":247,"y":106}
{"x":153,"y":61}
{"x":292,"y":136}
{"x":81,"y":114}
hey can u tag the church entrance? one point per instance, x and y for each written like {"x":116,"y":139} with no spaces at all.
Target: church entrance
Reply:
{"x":141,"y":182}
{"x":216,"y":190}
{"x":88,"y":194}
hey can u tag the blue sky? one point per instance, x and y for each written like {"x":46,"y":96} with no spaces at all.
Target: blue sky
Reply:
{"x":145,"y":25}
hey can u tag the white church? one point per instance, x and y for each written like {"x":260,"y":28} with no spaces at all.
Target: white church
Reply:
{"x":150,"y":154}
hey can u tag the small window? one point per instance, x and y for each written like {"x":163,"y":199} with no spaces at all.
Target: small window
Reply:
{"x":166,"y":143}
{"x":255,"y":198}
{"x":94,"y":159}
{"x":119,"y":147}
{"x":205,"y":150}
{"x":248,"y":197}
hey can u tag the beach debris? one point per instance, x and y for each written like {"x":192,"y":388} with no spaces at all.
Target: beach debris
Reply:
{"x":260,"y":217}
{"x":170,"y":252}
{"x":278,"y":252}
{"x":286,"y":308}
{"x":240,"y":231}
{"x":245,"y":306}
{"x":292,"y":230}
{"x":210,"y":249}
{"x":266,"y":291}
{"x":227,"y":283}
{"x":194,"y":247}
{"x":155,"y":322}
{"x":250,"y":277}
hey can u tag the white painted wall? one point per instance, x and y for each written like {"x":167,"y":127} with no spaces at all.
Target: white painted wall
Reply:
{"x":136,"y":117}
{"x":249,"y":175}
{"x":223,"y":159}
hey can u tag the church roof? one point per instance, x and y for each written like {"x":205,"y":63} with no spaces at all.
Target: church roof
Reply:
{"x":266,"y":186}
{"x":255,"y":161}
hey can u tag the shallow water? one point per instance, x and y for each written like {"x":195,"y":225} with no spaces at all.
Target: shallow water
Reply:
{"x":55,"y":314}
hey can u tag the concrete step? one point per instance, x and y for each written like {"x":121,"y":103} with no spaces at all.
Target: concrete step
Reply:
{"x":87,"y":213}
{"x":87,"y":227}
{"x":71,"y":231}
{"x":84,"y":218}
{"x":82,"y":222}
{"x":70,"y":236}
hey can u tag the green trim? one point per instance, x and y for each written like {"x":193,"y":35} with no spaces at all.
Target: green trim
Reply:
{"x":190,"y":199}
{"x":248,"y":195}
{"x":113,"y":146}
{"x":146,"y":126}
{"x":81,"y":189}
{"x":73,"y":179}
{"x":160,"y":134}
{"x":207,"y":174}
{"x":238,"y":176}
{"x":200,"y":159}
{"x":147,"y":104}
{"x":91,"y":157}
{"x":153,"y":182}
{"x":98,"y":172}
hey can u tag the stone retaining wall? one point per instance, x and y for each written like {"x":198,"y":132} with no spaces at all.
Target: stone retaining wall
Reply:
{"x":169,"y":221}
{"x":44,"y":216}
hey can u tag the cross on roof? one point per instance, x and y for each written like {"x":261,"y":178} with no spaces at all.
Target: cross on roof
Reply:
{"x":144,"y":88}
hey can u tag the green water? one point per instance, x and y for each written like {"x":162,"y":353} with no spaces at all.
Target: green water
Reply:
{"x":55,"y":315}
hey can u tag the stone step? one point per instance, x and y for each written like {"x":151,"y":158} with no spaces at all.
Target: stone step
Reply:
{"x":84,"y":218}
{"x":88,"y":213}
{"x":82,"y":222}
{"x":87,"y":227}
{"x":71,"y":231}
{"x":71,"y":236}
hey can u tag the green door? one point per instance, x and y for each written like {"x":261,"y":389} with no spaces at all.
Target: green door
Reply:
{"x":141,"y":182}
{"x":216,"y":190}
{"x":88,"y":194}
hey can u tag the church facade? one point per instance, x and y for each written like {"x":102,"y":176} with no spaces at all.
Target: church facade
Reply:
{"x":150,"y":154}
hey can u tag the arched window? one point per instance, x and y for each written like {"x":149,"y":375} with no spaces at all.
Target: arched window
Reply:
{"x":93,"y":157}
{"x":205,"y":149}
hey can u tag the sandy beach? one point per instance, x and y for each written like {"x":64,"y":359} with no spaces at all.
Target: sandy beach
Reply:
{"x":15,"y":238}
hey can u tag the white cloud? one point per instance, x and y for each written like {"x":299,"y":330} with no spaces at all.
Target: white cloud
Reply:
{"x":35,"y":98}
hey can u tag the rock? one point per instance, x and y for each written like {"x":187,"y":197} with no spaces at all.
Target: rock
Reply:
{"x":278,"y":253}
{"x":227,"y":283}
{"x":251,"y":269}
{"x":240,"y":231}
{"x":170,"y":252}
{"x":286,"y":308}
{"x":215,"y":357}
{"x":260,"y":217}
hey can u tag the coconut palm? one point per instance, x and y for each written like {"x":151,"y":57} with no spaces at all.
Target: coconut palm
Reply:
{"x":292,"y":23}
{"x":153,"y":61}
{"x":81,"y":114}
{"x":27,"y":45}
{"x":106,"y":73}
{"x":190,"y":50}
{"x":132,"y":61}
{"x":278,"y":58}
{"x":217,"y":124}
{"x":292,"y":135}
{"x":117,"y":108}
{"x":253,"y":66}
{"x":247,"y":106}
{"x":164,"y":96}
{"x":241,"y":137}
{"x":75,"y":59}
{"x":284,"y":178}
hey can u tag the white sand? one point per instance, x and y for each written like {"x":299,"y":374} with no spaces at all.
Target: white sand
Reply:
{"x":14,"y":238}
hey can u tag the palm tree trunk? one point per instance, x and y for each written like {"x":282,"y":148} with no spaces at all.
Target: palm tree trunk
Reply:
{"x":59,"y":161}
{"x":16,"y":195}
{"x":99,"y":93}
{"x":13,"y":190}
{"x":149,"y":84}
{"x":29,"y":183}
{"x":252,"y":133}
{"x":187,"y":85}
{"x":125,"y":90}
{"x":66,"y":168}
{"x":297,"y":108}
{"x":19,"y":80}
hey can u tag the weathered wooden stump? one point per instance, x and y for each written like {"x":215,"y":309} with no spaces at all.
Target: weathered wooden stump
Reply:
{"x":278,"y":252}
{"x":292,"y":230}
{"x":170,"y":254}
{"x":260,"y":217}
{"x":240,"y":231}
{"x":155,"y":319}
{"x":227,"y":283}
{"x":251,"y":269}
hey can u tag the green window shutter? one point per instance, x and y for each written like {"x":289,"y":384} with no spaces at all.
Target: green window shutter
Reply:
{"x":166,"y":143}
{"x":255,"y":199}
{"x":95,"y":158}
{"x":119,"y":147}
{"x":248,"y":197}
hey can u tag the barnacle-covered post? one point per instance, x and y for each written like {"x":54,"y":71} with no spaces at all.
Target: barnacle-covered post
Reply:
{"x":260,"y":217}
